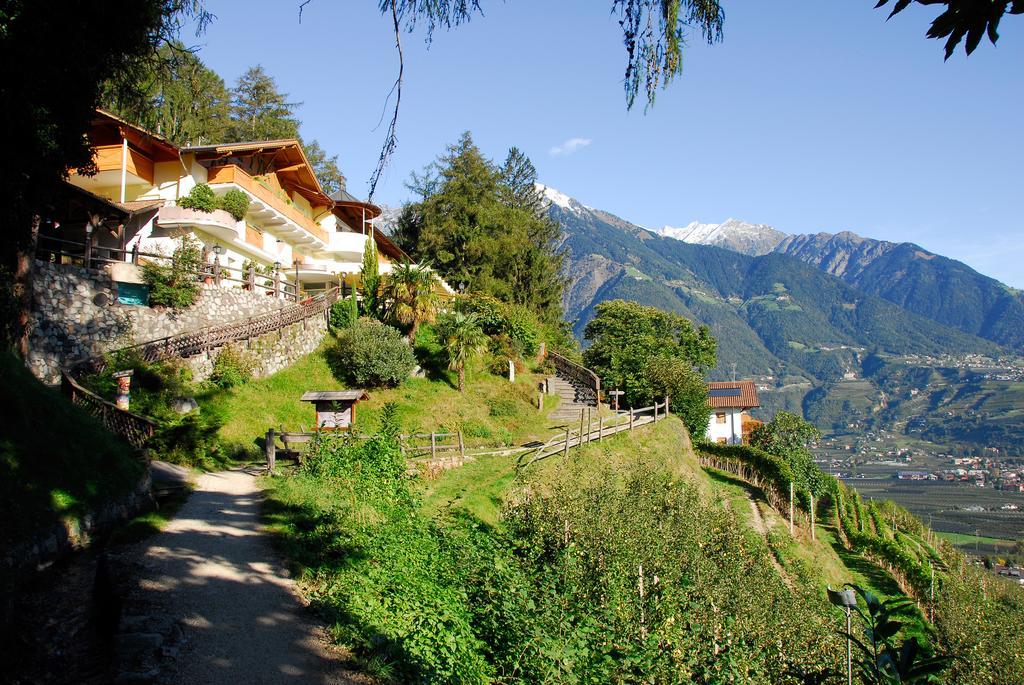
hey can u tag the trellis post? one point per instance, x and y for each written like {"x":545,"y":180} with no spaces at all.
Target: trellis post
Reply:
{"x":790,"y":507}
{"x":811,"y":495}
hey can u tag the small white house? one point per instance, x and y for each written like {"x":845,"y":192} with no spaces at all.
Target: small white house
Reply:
{"x":729,"y":401}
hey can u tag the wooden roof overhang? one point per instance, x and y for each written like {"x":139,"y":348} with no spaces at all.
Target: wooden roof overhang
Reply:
{"x":110,"y":129}
{"x":285,"y":158}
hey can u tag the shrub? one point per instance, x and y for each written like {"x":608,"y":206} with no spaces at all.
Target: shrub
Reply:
{"x":504,"y":406}
{"x":344,"y":312}
{"x":234,"y":202}
{"x":200,"y":198}
{"x":515,"y":323}
{"x":176,"y":284}
{"x":232,"y":367}
{"x":371,"y":354}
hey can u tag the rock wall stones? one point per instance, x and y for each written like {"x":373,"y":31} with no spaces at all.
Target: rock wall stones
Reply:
{"x":270,"y":352}
{"x":76,"y":315}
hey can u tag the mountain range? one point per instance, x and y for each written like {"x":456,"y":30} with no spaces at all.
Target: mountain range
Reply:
{"x":942,"y":289}
{"x":823,"y":322}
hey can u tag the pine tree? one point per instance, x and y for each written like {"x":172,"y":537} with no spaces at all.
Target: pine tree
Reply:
{"x":486,"y":227}
{"x":259,"y":111}
{"x":179,"y":97}
{"x":325,"y":167}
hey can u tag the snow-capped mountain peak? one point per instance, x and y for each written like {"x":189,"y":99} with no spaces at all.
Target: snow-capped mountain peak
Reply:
{"x":560,"y":199}
{"x":733,"y":234}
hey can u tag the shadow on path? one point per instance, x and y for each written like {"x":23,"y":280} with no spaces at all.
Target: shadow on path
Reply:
{"x":214,"y":571}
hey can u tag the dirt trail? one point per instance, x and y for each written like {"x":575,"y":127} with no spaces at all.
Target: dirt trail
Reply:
{"x":214,"y":571}
{"x":762,"y":528}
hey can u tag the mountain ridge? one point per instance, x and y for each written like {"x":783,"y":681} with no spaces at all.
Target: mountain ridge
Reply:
{"x":939,"y":288}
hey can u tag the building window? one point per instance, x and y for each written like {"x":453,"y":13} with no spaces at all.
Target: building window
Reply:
{"x":720,"y":417}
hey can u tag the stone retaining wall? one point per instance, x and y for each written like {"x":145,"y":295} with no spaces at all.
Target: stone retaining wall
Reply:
{"x":270,"y":352}
{"x":76,"y":315}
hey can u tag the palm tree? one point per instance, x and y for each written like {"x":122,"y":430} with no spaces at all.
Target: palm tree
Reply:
{"x":461,"y":337}
{"x":410,"y":295}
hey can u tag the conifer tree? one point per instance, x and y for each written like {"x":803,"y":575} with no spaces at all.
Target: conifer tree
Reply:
{"x":486,"y":227}
{"x":259,"y":111}
{"x":178,"y":97}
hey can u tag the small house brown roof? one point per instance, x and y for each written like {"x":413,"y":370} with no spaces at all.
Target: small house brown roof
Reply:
{"x":335,"y":396}
{"x":732,"y":395}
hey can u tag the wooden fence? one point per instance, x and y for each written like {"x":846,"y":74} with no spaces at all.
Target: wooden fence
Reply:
{"x":587,"y":382}
{"x":593,"y":428}
{"x":137,"y":429}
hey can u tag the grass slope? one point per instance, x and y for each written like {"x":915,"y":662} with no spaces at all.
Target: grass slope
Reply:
{"x":57,"y":461}
{"x":492,"y":411}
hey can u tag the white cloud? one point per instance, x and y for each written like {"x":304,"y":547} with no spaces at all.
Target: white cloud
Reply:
{"x":570,"y":146}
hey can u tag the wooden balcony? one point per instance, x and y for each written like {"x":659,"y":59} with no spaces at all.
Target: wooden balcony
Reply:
{"x":108,"y":158}
{"x":230,"y":173}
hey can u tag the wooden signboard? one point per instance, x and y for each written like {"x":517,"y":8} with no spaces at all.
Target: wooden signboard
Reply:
{"x":335,"y":410}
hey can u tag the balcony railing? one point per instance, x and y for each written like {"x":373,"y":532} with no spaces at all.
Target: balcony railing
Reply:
{"x":229,"y":173}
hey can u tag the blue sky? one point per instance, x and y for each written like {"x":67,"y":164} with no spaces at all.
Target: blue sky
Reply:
{"x":810,"y":116}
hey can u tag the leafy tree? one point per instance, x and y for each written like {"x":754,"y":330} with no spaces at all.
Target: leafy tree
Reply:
{"x":409,"y":295}
{"x":48,"y":98}
{"x":789,"y":436}
{"x":259,"y":111}
{"x":325,"y":167}
{"x":461,"y":337}
{"x":625,"y":336}
{"x":686,"y":389}
{"x":973,"y":19}
{"x":178,"y":97}
{"x":484,"y":226}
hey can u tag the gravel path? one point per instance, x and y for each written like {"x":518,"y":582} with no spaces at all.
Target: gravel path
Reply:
{"x":214,"y":571}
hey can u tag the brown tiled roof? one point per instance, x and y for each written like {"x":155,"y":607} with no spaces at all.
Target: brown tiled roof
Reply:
{"x":746,"y":398}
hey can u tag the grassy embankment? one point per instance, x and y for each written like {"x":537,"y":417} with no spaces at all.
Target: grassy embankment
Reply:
{"x":58,"y":462}
{"x":492,"y":411}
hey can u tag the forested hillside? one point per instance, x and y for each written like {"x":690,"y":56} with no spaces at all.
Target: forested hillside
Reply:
{"x":925,"y":283}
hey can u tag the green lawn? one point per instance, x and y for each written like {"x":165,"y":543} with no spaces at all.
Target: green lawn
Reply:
{"x":492,"y":411}
{"x":965,"y":539}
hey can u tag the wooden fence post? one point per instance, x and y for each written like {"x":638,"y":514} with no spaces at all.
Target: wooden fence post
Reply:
{"x":270,"y":450}
{"x":631,"y":419}
{"x":666,"y":405}
{"x":462,"y":446}
{"x":655,"y":411}
{"x":581,"y":426}
{"x":565,"y":450}
{"x":433,"y":445}
{"x":600,"y":426}
{"x":590,"y":424}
